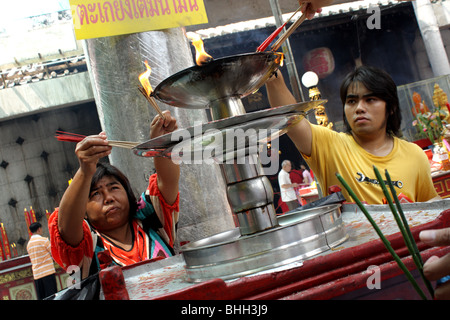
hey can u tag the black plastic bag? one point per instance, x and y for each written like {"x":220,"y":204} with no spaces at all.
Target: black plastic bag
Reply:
{"x":87,"y":289}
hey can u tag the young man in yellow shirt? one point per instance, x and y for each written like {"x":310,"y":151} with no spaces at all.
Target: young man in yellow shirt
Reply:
{"x":372,"y":116}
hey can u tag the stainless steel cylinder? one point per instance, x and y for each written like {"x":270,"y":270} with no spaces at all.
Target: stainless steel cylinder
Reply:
{"x":226,"y":107}
{"x":257,"y":219}
{"x":236,"y":172}
{"x":250,"y":194}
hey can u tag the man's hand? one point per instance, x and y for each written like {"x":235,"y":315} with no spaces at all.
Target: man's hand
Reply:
{"x":436,"y":268}
{"x":314,"y":6}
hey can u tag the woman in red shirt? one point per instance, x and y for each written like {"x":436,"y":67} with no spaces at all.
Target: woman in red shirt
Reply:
{"x":99,"y":212}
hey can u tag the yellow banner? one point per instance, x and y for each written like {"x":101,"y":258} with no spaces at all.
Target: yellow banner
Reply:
{"x":100,"y":18}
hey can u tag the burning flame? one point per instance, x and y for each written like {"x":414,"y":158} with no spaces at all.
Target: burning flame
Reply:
{"x":143,"y":78}
{"x":201,"y":57}
{"x":280,"y":59}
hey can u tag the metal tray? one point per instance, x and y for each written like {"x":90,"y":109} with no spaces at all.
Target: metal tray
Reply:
{"x":221,"y":145}
{"x":233,"y":142}
{"x":162,"y":142}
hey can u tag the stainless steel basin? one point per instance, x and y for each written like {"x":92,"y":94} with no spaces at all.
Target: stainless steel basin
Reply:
{"x":229,"y":255}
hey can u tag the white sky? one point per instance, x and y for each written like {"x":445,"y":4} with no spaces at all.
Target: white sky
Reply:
{"x":21,"y":42}
{"x":16,"y":10}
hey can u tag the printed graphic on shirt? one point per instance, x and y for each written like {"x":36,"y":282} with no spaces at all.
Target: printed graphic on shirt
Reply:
{"x":362,"y":178}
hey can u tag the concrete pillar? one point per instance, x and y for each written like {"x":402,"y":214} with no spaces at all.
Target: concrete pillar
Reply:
{"x":431,"y":35}
{"x":114,"y":66}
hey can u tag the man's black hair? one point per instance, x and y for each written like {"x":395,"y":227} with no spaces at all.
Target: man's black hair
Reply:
{"x":35,"y":227}
{"x":382,"y":86}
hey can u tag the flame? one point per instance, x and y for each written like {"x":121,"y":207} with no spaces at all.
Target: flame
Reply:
{"x":201,"y":57}
{"x":280,"y":59}
{"x":143,"y":78}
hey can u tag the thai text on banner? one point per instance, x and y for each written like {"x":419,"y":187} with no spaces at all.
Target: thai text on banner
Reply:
{"x":100,"y":18}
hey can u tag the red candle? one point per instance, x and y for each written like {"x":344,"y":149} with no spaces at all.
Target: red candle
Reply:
{"x":5,"y":242}
{"x":32,"y":215}
{"x":27,"y":220}
{"x":2,"y":254}
{"x":14,"y":250}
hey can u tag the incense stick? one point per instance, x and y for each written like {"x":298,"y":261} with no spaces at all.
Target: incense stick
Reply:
{"x":289,"y":31}
{"x":386,"y":242}
{"x":406,"y":232}
{"x":75,"y":137}
{"x":122,"y":144}
{"x":152,"y":101}
{"x":270,"y":38}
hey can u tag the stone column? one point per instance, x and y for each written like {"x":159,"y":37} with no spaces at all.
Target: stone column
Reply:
{"x":114,"y":66}
{"x":431,"y":35}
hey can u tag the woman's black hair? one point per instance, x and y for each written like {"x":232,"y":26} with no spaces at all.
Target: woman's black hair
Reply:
{"x":108,"y":170}
{"x":383,"y":87}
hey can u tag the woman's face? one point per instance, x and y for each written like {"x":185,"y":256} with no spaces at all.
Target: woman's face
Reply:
{"x":108,"y":206}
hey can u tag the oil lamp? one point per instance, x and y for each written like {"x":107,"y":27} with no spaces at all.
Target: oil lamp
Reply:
{"x":310,"y":81}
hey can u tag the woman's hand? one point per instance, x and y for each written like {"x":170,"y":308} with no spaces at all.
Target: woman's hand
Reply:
{"x":168,"y":172}
{"x":72,"y":208}
{"x":160,"y":126}
{"x":90,"y":150}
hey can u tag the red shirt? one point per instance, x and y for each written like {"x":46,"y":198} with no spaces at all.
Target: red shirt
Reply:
{"x":145,"y":245}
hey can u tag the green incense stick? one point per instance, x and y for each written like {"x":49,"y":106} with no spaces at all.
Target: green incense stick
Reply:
{"x":402,"y":215}
{"x":414,"y":250}
{"x":386,"y":243}
{"x":394,"y":212}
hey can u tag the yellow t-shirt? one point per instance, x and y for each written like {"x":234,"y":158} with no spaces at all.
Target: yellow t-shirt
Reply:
{"x":407,"y":165}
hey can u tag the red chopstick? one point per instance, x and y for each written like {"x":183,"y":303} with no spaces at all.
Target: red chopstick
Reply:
{"x":270,"y":38}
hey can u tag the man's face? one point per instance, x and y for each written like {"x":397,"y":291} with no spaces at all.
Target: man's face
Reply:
{"x":365,"y":113}
{"x":287,"y":167}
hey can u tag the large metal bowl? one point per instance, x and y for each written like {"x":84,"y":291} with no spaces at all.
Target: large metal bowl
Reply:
{"x":234,"y":76}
